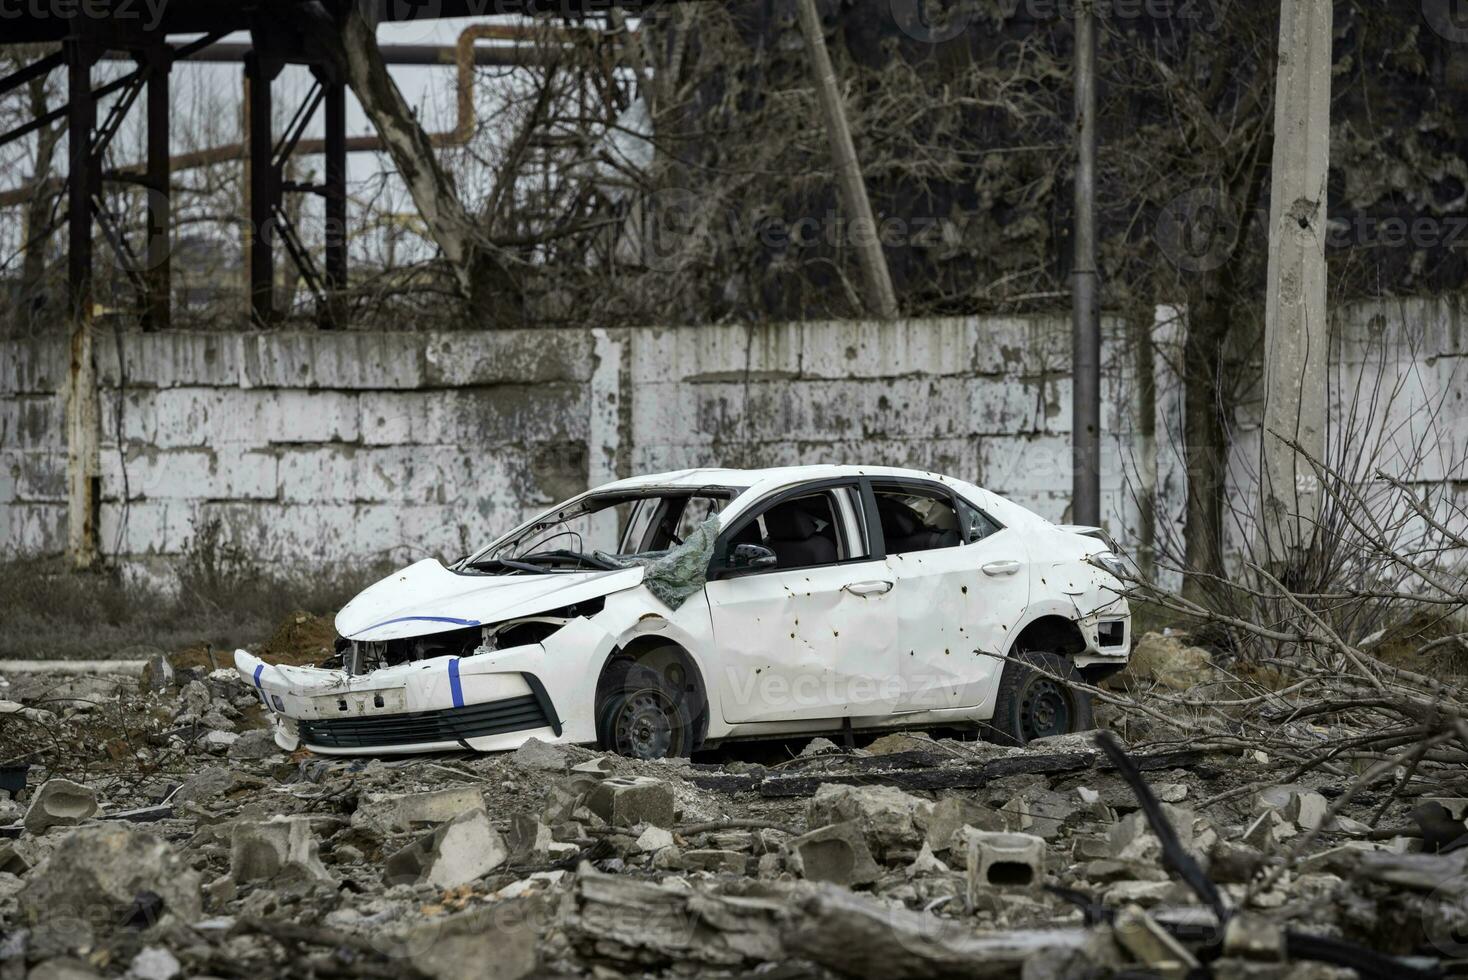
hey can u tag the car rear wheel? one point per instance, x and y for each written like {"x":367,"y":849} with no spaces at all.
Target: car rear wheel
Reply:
{"x":643,"y":715}
{"x":1036,"y":699}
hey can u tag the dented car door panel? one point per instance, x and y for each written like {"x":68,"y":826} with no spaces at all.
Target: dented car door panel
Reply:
{"x":802,"y":645}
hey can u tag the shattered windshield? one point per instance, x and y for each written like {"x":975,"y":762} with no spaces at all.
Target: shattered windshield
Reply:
{"x":603,"y":531}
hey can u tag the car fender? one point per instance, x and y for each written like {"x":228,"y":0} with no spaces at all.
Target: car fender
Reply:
{"x":635,"y":615}
{"x":1076,"y":591}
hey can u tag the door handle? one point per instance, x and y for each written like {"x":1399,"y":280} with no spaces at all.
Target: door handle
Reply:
{"x":1006,"y":567}
{"x":867,"y":588}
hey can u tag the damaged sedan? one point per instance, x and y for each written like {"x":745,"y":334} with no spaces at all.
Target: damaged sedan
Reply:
{"x":665,"y":613}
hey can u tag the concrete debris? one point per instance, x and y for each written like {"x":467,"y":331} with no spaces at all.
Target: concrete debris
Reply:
{"x":1003,"y":860}
{"x":158,"y":673}
{"x":1302,"y":807}
{"x":926,"y":863}
{"x":890,"y":819}
{"x":819,"y":746}
{"x":254,"y":745}
{"x":154,"y":963}
{"x":219,"y":742}
{"x":1255,"y":937}
{"x":499,"y":943}
{"x":952,"y":814}
{"x":901,"y":742}
{"x":104,"y":869}
{"x":63,"y":968}
{"x":654,"y":839}
{"x":836,"y":853}
{"x":282,"y":847}
{"x":462,"y":850}
{"x":15,"y":709}
{"x":1168,"y":661}
{"x":1152,"y":946}
{"x":60,"y":803}
{"x":711,"y":859}
{"x":917,"y":857}
{"x":632,"y":800}
{"x":396,"y":814}
{"x":529,"y":840}
{"x":535,"y":754}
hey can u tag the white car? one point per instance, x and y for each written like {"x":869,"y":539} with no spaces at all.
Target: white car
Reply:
{"x":663,"y":613}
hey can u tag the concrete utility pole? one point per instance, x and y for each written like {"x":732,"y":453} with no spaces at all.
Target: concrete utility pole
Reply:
{"x":82,"y":412}
{"x":1296,"y":334}
{"x":881,"y":297}
{"x":1085,"y":287}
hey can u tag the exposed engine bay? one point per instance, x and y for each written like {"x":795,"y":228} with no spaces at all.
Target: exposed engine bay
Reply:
{"x":363,"y":657}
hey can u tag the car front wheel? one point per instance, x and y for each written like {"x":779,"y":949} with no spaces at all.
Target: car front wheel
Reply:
{"x":642,"y":715}
{"x":1036,"y":699}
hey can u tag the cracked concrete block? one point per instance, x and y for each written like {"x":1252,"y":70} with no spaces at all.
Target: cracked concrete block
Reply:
{"x":926,"y":863}
{"x":1233,"y":862}
{"x":1131,"y":837}
{"x":629,"y":801}
{"x":953,"y":813}
{"x":154,"y":963}
{"x":654,"y":839}
{"x":837,"y":853}
{"x":890,"y":819}
{"x":60,"y":803}
{"x":716,"y":860}
{"x":218,"y":742}
{"x":535,"y":754}
{"x":404,"y":813}
{"x":1303,"y":807}
{"x":1254,"y":936}
{"x":465,"y":848}
{"x":999,"y":859}
{"x":498,"y":943}
{"x":102,"y":869}
{"x":254,"y":745}
{"x":529,"y":839}
{"x":1151,"y":945}
{"x":282,"y":847}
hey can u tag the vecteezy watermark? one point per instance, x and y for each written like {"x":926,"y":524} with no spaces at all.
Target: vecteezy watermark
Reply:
{"x":675,"y":227}
{"x":935,"y":22}
{"x":1419,"y":231}
{"x":1447,"y":18}
{"x":150,"y":12}
{"x":1201,"y":229}
{"x":1446,"y":921}
{"x":1197,"y":230}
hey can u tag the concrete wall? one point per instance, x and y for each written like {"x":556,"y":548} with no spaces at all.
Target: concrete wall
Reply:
{"x":323,"y":447}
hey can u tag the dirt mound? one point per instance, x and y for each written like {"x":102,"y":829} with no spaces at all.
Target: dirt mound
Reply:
{"x":301,"y":639}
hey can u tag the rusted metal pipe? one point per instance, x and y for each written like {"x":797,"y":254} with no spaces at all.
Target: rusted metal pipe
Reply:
{"x":464,"y":55}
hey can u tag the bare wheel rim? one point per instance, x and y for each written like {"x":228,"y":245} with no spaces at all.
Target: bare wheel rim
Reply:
{"x":643,"y":727}
{"x":1045,"y":710}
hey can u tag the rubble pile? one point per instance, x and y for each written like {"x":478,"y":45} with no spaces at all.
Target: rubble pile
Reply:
{"x":159,"y":833}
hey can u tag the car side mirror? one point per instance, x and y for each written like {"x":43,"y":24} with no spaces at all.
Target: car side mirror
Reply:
{"x":752,"y":556}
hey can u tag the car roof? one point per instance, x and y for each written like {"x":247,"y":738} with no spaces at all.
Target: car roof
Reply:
{"x":756,"y":483}
{"x":767,"y":477}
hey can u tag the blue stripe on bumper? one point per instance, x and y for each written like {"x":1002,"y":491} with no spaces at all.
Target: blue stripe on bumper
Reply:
{"x":455,"y":687}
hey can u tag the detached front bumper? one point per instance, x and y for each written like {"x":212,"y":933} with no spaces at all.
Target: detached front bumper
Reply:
{"x":443,"y":704}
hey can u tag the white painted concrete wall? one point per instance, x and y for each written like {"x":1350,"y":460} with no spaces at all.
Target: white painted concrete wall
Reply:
{"x":326,"y":447}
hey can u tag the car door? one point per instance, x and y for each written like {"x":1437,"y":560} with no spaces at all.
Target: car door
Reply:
{"x":962,"y":584}
{"x":811,"y":635}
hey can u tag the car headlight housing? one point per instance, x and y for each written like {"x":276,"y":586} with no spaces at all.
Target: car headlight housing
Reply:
{"x":1110,"y":562}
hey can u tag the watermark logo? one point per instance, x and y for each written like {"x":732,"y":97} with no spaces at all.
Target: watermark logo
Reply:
{"x":1197,"y":230}
{"x":929,"y":22}
{"x":937,"y":21}
{"x":1447,"y":18}
{"x":1446,"y":924}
